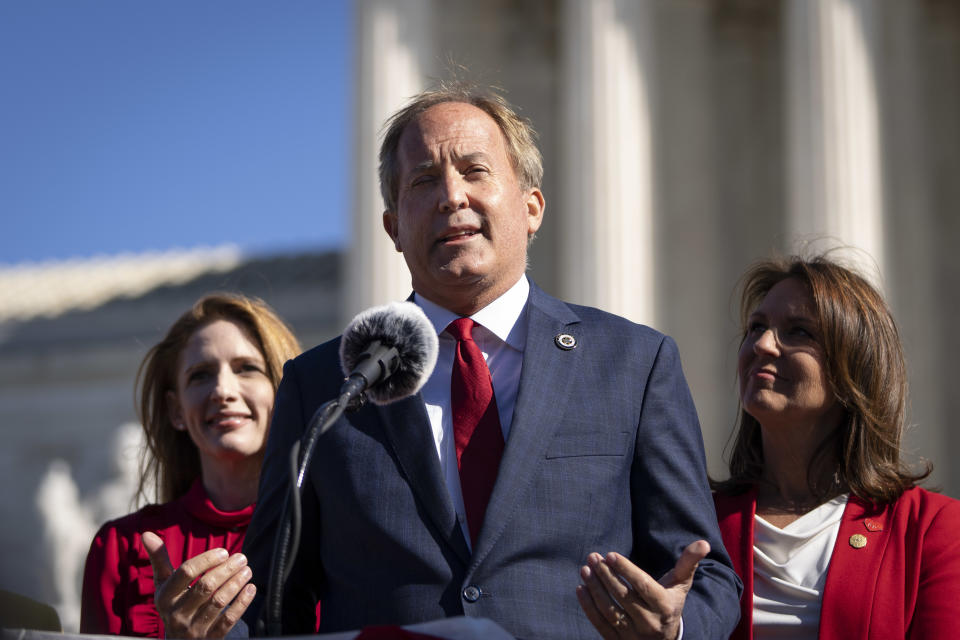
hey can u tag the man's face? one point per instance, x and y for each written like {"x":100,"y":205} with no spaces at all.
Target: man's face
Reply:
{"x":462,"y":220}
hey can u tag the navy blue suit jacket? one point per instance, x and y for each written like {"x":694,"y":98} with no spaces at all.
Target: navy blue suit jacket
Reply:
{"x":604,"y":454}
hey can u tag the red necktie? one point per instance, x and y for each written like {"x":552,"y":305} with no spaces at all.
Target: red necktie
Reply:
{"x":476,"y":424}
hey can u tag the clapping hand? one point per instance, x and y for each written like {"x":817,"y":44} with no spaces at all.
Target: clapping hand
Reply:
{"x":205,"y":596}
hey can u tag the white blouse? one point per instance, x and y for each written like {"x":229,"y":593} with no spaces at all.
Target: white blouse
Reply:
{"x":790,"y":569}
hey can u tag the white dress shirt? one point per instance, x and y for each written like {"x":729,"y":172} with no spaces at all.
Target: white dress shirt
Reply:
{"x":789,"y":571}
{"x":501,"y":337}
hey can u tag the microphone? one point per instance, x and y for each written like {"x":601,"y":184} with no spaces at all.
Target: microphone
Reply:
{"x":388,"y":352}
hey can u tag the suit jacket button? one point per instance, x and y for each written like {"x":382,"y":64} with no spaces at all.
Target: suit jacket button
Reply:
{"x":471,"y":593}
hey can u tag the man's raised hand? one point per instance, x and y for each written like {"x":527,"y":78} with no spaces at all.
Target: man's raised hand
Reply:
{"x":623,"y":601}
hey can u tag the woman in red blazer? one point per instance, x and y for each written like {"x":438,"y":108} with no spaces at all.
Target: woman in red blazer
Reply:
{"x":820,"y":516}
{"x":206,"y":394}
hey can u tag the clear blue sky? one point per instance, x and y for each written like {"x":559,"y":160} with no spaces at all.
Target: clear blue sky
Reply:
{"x":135,"y":125}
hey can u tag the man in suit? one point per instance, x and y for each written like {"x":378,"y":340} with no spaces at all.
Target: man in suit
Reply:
{"x":595,"y":443}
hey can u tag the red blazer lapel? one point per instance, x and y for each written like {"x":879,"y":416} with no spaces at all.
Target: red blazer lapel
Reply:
{"x":848,"y":595}
{"x":735,"y":516}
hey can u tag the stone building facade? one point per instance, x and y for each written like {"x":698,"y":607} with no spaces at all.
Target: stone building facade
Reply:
{"x":682,"y":140}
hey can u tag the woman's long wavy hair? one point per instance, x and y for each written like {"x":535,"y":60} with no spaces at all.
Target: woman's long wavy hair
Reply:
{"x":170,"y":461}
{"x":867,"y":374}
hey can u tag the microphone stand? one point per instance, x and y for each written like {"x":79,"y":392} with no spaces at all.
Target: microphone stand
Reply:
{"x":375,"y":365}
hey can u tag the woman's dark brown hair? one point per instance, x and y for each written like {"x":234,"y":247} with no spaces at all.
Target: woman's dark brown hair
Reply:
{"x":867,"y":374}
{"x":170,"y":461}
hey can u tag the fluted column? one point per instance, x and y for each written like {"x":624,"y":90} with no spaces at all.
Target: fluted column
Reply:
{"x":833,"y":163}
{"x":393,"y":46}
{"x":607,"y":225}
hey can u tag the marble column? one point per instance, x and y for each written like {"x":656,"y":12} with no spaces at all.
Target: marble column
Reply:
{"x":607,"y":222}
{"x":393,"y":48}
{"x":834,"y":192}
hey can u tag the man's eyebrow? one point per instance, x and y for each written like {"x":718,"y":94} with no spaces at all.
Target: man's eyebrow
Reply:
{"x":469,"y":158}
{"x":476,"y":156}
{"x":426,"y":165}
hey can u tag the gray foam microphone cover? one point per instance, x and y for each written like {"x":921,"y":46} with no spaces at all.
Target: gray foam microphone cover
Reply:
{"x":403,"y":325}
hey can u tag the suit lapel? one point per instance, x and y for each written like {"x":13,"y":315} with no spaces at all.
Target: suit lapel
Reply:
{"x":407,"y":428}
{"x":848,"y":595}
{"x":544,"y":378}
{"x":735,"y":515}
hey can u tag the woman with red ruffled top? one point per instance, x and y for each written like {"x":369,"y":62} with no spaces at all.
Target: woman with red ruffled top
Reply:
{"x":206,"y":395}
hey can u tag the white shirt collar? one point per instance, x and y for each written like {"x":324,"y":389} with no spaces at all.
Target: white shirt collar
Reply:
{"x":500,"y":317}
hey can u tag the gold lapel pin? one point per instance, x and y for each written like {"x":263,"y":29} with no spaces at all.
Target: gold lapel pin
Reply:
{"x":858,"y":541}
